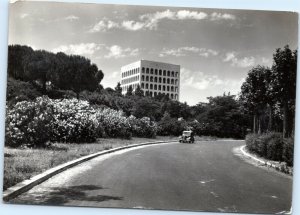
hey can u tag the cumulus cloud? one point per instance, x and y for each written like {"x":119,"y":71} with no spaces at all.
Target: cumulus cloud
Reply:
{"x":201,"y":81}
{"x":116,"y":51}
{"x":104,"y":25}
{"x":132,"y":25}
{"x":185,"y":51}
{"x":150,"y":21}
{"x":71,"y":18}
{"x":222,"y":16}
{"x":239,"y":62}
{"x":78,"y":49}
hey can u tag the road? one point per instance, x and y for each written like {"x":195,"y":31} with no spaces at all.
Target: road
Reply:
{"x":206,"y":176}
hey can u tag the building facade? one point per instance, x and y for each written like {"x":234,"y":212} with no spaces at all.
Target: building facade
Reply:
{"x":153,"y":77}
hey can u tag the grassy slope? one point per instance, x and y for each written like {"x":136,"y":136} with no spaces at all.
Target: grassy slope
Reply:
{"x":22,"y":164}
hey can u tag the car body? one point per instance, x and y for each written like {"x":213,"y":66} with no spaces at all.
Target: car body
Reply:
{"x":187,"y":137}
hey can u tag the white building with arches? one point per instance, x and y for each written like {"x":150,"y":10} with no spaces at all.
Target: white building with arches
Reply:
{"x":153,"y":77}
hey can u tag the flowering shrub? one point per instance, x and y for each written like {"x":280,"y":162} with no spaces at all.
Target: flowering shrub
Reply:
{"x":143,"y":127}
{"x":69,"y":120}
{"x":29,"y":123}
{"x":114,"y":123}
{"x":74,"y":121}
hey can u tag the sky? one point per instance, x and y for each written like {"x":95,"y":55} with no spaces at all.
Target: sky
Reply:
{"x":215,"y":48}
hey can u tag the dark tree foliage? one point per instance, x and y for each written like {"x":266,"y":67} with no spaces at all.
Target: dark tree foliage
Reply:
{"x":269,"y":94}
{"x":129,"y":91}
{"x":65,"y":72}
{"x":118,"y":89}
{"x":138,"y":91}
{"x":283,"y":83}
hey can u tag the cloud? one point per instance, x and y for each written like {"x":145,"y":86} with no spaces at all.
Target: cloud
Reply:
{"x":116,"y":51}
{"x":104,"y":25}
{"x":185,"y":14}
{"x":239,"y":62}
{"x":71,"y":18}
{"x":201,"y":81}
{"x":78,"y":49}
{"x":132,"y":25}
{"x":186,"y":51}
{"x":221,"y":16}
{"x":150,"y":21}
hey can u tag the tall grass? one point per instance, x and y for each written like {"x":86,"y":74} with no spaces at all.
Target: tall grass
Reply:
{"x":22,"y":164}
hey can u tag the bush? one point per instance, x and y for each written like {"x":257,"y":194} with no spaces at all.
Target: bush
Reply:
{"x":271,"y":146}
{"x":114,"y":123}
{"x":288,"y":151}
{"x":143,"y":127}
{"x":74,"y":121}
{"x":18,"y":91}
{"x":69,"y":120}
{"x":29,"y":123}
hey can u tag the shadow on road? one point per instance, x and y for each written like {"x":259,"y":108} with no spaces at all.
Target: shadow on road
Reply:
{"x":64,"y":195}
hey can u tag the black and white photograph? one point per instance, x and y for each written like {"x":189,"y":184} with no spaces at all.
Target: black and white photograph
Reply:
{"x":150,"y":107}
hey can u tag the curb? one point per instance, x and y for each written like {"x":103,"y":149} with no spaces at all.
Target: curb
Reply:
{"x":268,"y":164}
{"x":242,"y":148}
{"x":26,"y":185}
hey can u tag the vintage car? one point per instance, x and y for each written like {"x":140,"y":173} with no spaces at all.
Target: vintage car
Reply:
{"x":187,"y":137}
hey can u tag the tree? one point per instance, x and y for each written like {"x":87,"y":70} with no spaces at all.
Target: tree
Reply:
{"x":76,"y":73}
{"x":129,"y":91}
{"x":254,"y":94}
{"x":283,"y":83}
{"x":138,"y":91}
{"x":118,"y":89}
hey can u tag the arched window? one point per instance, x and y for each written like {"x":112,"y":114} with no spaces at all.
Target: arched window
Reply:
{"x":164,"y":73}
{"x":155,"y":87}
{"x":143,"y":69}
{"x":176,"y":82}
{"x":172,"y":81}
{"x":151,"y":71}
{"x":147,"y":78}
{"x":168,"y":81}
{"x":147,"y":70}
{"x":169,"y":73}
{"x":147,"y":86}
{"x":142,"y":85}
{"x":159,"y":80}
{"x":156,"y":71}
{"x":151,"y":94}
{"x":164,"y":88}
{"x":164,"y":80}
{"x":172,"y":96}
{"x":176,"y":74}
{"x":151,"y":79}
{"x":176,"y":96}
{"x":159,"y":87}
{"x":143,"y":78}
{"x":155,"y":93}
{"x":151,"y":86}
{"x":172,"y":74}
{"x":168,"y":88}
{"x":172,"y":89}
{"x":155,"y":79}
{"x":160,"y":72}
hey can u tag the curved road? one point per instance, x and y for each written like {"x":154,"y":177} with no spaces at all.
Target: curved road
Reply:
{"x":206,"y":176}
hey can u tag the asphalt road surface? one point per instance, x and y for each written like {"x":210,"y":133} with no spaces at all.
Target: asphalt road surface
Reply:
{"x":205,"y":176}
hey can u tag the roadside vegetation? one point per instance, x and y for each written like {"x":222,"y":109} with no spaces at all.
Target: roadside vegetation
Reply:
{"x":23,"y":163}
{"x":57,"y":110}
{"x":269,"y":95}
